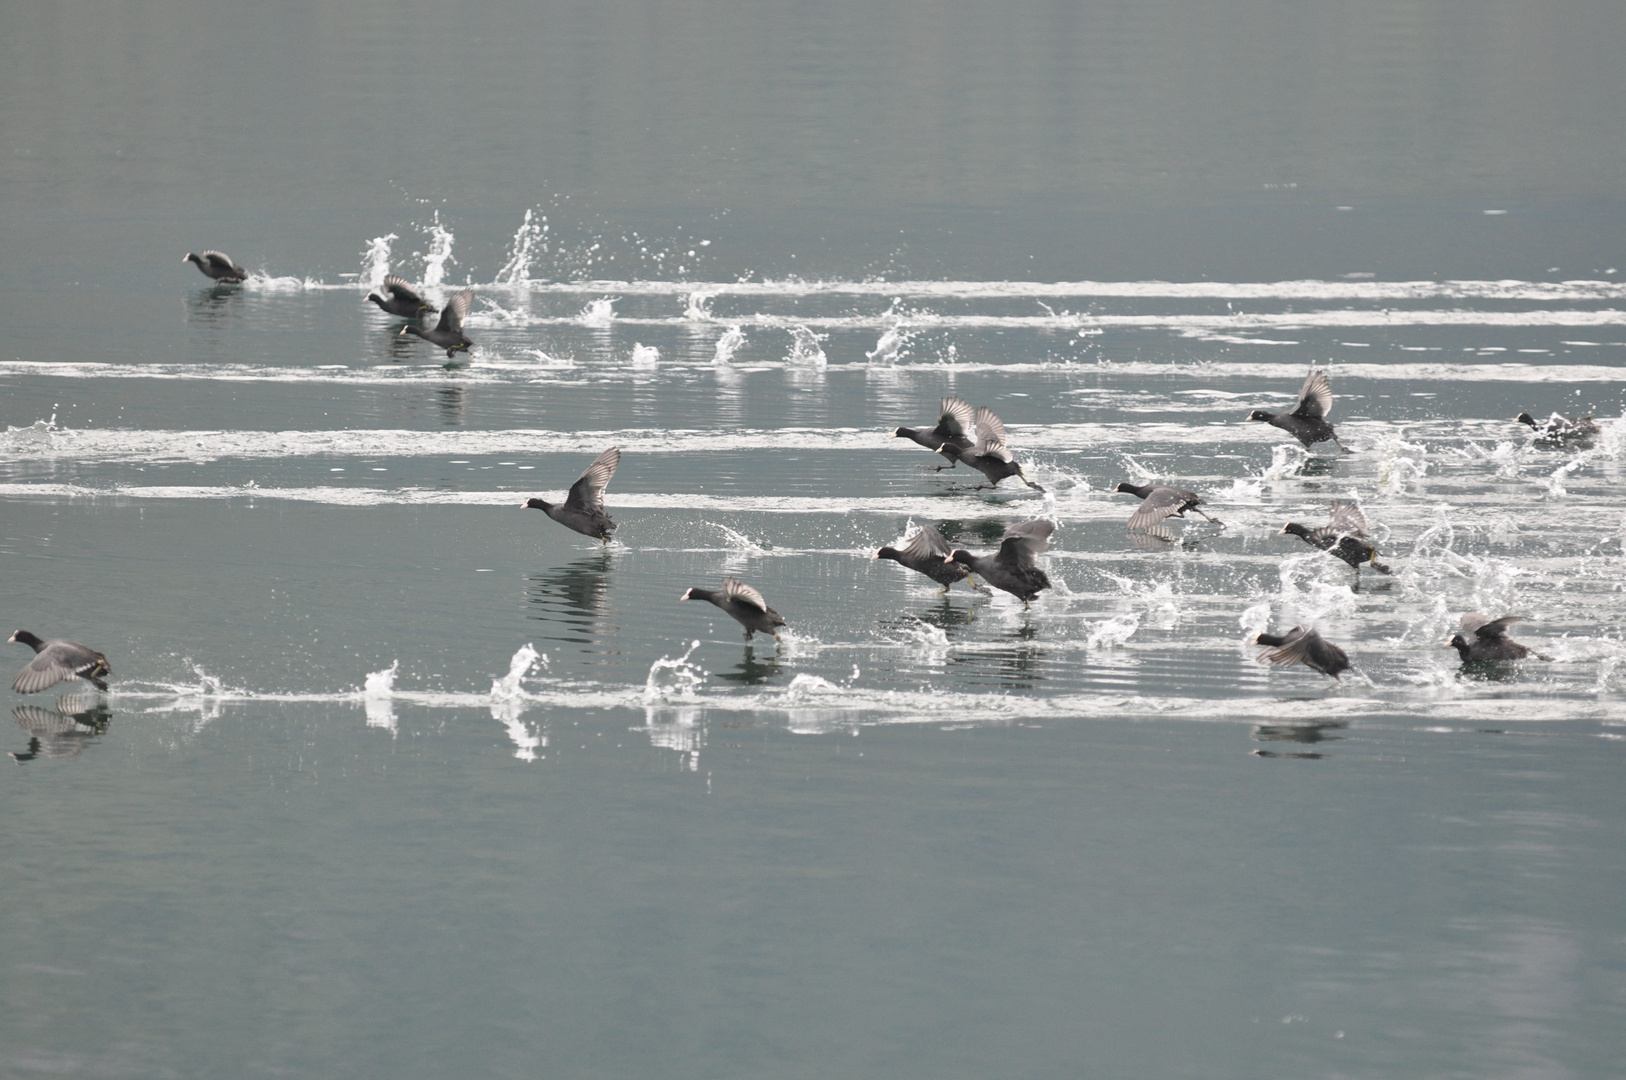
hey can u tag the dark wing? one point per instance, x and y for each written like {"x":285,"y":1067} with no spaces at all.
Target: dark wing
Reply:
{"x":1347,"y":520}
{"x":925,"y":543}
{"x":1472,"y":621}
{"x":735,"y":589}
{"x":402,"y":290}
{"x":1294,"y":645}
{"x":587,"y":493}
{"x":957,"y":418}
{"x":457,"y":309}
{"x":222,"y":262}
{"x":45,"y":670}
{"x":1160,"y":503}
{"x":1023,"y":544}
{"x":990,"y":433}
{"x":1315,"y":397}
{"x":1494,"y":629}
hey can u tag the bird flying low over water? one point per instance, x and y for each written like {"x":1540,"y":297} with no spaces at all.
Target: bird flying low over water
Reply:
{"x":57,"y":660}
{"x":448,"y":333}
{"x":1558,"y":430}
{"x":743,"y":604}
{"x":583,"y":508}
{"x":1014,"y":568}
{"x":1488,"y":640}
{"x":1308,"y":421}
{"x":1344,"y":537}
{"x":1301,"y":646}
{"x":1160,"y":503}
{"x":954,"y":427}
{"x":928,"y":553}
{"x":400,"y":298}
{"x":218,"y":266}
{"x":989,"y":456}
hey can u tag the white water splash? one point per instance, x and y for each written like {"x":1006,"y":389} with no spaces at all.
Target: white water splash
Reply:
{"x":598,"y":313}
{"x":1112,"y":632}
{"x":698,"y":308}
{"x":375,"y":262}
{"x":645,"y":356}
{"x":1287,"y":460}
{"x":508,"y":700}
{"x":674,"y":678}
{"x":440,"y":253}
{"x":528,"y":240}
{"x":892,"y":344}
{"x":550,"y":361}
{"x":33,"y":439}
{"x":677,"y":728}
{"x":1402,"y":468}
{"x":377,"y":694}
{"x":1254,"y":621}
{"x":729,"y":344}
{"x":805,"y":349}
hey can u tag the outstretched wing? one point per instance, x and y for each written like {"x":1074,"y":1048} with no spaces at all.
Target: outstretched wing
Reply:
{"x":926,"y":542}
{"x":957,"y":417}
{"x":1300,"y":645}
{"x":1160,"y":503}
{"x":45,"y":670}
{"x":990,"y":435}
{"x":1023,"y":543}
{"x":587,"y":493}
{"x":1493,"y":629}
{"x":401,"y":289}
{"x":457,"y":309}
{"x":1315,"y":397}
{"x":1347,"y":520}
{"x":735,"y":589}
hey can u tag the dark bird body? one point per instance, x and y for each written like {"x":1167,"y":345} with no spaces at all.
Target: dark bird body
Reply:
{"x":953,"y":428}
{"x":989,"y":456}
{"x":1308,"y":421}
{"x":743,"y":604}
{"x":1014,"y":568}
{"x":448,"y":333}
{"x":1487,"y":639}
{"x":1160,"y":503}
{"x":928,"y":553}
{"x":217,"y":266}
{"x":583,"y":508}
{"x":1558,"y":430}
{"x":1344,"y":537}
{"x":57,"y":660}
{"x":1301,"y":646}
{"x":400,"y":298}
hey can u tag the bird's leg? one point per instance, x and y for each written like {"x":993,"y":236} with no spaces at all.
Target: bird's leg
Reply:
{"x":1031,"y":484}
{"x":1341,"y":445}
{"x":1214,"y":520}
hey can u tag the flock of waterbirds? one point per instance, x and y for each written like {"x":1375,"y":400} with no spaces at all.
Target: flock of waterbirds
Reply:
{"x":972,"y":436}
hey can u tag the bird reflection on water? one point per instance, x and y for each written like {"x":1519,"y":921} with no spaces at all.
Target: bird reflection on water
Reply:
{"x":1316,"y":731}
{"x":575,"y":598}
{"x":77,"y":721}
{"x":750,"y":671}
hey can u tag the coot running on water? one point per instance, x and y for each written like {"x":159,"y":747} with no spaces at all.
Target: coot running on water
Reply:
{"x":448,"y":333}
{"x":400,"y":298}
{"x":1160,"y":503}
{"x":743,"y":604}
{"x":1558,"y":430}
{"x":1014,"y":568}
{"x":928,"y":553}
{"x":1301,"y":646}
{"x":953,"y":427}
{"x":57,"y":660}
{"x":1308,"y":421}
{"x":1344,"y":537}
{"x":218,"y":266}
{"x":583,"y":508}
{"x":1488,"y":640}
{"x":990,"y":456}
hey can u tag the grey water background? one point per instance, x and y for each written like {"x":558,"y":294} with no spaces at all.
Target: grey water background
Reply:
{"x":398,"y":780}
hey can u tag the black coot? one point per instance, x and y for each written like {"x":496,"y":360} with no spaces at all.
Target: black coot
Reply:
{"x":953,"y":428}
{"x":1559,"y":430}
{"x":57,"y":660}
{"x":583,"y":508}
{"x":1308,"y":421}
{"x":743,"y":604}
{"x":448,"y":333}
{"x":218,"y":266}
{"x":1344,"y":537}
{"x":1487,"y":639}
{"x":989,"y":456}
{"x":400,"y":298}
{"x":1159,"y":503}
{"x":1014,"y":568}
{"x":928,"y":553}
{"x":1301,"y":646}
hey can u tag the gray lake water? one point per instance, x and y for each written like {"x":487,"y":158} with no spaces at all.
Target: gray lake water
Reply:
{"x":397,"y":779}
